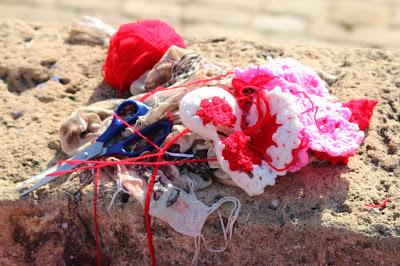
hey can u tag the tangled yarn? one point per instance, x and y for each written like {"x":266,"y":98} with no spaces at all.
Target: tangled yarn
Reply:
{"x":135,"y":48}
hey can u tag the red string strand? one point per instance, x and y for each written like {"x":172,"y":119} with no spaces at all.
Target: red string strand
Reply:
{"x":136,"y":131}
{"x":96,"y":222}
{"x":197,"y":82}
{"x":101,"y":164}
{"x":313,"y":107}
{"x":149,"y":193}
{"x":380,"y":205}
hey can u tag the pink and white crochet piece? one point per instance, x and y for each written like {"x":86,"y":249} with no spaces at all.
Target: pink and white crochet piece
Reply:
{"x":253,"y":179}
{"x":326,"y":123}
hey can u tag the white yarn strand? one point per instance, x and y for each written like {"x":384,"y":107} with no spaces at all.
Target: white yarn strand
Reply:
{"x":120,"y":187}
{"x":183,"y":155}
{"x":226,"y":230}
{"x":114,"y":197}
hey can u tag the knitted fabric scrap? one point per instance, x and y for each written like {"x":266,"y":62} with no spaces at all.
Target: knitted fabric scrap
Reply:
{"x":327,"y":128}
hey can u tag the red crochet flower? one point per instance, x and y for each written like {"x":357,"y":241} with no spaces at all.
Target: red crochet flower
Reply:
{"x":216,"y":111}
{"x":238,"y":153}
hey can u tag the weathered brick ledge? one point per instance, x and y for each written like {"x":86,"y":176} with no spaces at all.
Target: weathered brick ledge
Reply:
{"x":313,"y":217}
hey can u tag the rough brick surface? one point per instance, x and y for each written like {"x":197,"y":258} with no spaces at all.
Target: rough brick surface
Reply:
{"x":313,"y":217}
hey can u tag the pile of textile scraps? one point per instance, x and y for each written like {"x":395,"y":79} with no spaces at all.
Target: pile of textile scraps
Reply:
{"x":250,"y":125}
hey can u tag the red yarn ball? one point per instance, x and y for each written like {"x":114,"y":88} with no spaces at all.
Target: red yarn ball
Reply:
{"x":135,"y":48}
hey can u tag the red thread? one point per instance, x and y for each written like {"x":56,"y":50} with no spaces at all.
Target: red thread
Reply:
{"x":137,"y":131}
{"x":261,"y":132}
{"x":101,"y":164}
{"x":184,"y":86}
{"x":149,"y":193}
{"x":171,"y":118}
{"x":313,"y":107}
{"x":245,"y":92}
{"x":295,"y":152}
{"x":381,"y":205}
{"x":96,"y":222}
{"x":216,"y":111}
{"x":135,"y":48}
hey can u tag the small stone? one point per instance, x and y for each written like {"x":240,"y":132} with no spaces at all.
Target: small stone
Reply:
{"x":49,"y":63}
{"x":275,"y":203}
{"x":72,"y":89}
{"x":17,"y":114}
{"x":64,"y":225}
{"x":46,"y":99}
{"x":54,"y":145}
{"x":64,"y":81}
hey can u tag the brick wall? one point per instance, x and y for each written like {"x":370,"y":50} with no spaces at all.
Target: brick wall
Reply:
{"x":373,"y":23}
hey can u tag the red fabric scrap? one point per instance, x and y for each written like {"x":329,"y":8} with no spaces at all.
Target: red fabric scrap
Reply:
{"x":334,"y":160}
{"x":361,"y":111}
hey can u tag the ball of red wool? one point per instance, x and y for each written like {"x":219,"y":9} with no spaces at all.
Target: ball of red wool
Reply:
{"x":135,"y":48}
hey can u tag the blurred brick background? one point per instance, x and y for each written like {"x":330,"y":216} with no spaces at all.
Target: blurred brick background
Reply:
{"x":373,"y":23}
